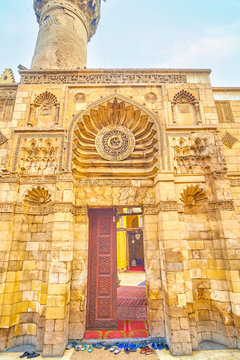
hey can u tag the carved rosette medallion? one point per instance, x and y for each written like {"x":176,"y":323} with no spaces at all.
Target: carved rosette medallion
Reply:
{"x":115,"y":142}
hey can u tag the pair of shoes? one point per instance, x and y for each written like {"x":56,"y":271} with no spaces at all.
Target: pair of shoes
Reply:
{"x":73,"y":344}
{"x":90,"y":348}
{"x":147,"y":350}
{"x":113,"y":348}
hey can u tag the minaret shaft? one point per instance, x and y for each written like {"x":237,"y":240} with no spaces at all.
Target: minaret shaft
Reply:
{"x":65,"y":27}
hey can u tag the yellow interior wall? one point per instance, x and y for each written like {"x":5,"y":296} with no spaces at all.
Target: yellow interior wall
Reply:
{"x":121,"y":246}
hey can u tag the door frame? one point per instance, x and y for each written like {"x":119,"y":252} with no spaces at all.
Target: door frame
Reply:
{"x":93,"y":267}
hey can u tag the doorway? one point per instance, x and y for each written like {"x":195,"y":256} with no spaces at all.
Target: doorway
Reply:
{"x":117,"y":305}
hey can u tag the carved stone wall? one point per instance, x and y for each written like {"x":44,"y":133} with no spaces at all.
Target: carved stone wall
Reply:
{"x":190,"y":209}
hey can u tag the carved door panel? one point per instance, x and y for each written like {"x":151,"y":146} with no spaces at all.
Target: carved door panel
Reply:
{"x":102,"y":270}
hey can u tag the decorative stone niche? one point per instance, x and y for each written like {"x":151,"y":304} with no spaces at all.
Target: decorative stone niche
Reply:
{"x":44,"y":112}
{"x":185,"y":109}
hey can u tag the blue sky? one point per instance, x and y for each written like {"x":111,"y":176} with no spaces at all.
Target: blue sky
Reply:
{"x":142,"y":34}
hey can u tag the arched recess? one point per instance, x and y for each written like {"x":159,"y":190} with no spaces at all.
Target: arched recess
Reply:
{"x":116,"y":137}
{"x":185,"y":109}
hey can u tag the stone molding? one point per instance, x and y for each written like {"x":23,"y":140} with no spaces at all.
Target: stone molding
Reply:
{"x":43,"y":209}
{"x":227,"y":205}
{"x":108,"y":77}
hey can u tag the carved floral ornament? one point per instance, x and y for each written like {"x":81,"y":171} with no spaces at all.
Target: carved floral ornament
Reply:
{"x":193,"y":195}
{"x":115,"y":142}
{"x":37,"y":196}
{"x":115,"y":136}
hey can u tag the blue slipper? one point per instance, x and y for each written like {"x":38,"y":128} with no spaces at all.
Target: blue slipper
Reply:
{"x":107,"y":347}
{"x":24,"y":354}
{"x":32,"y":355}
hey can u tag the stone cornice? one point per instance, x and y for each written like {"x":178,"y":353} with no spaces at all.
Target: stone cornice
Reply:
{"x":104,"y":77}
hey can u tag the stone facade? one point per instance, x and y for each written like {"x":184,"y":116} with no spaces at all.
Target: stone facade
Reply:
{"x":168,"y":143}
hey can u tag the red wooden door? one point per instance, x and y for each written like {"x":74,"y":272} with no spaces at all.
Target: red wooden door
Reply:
{"x":102,"y":270}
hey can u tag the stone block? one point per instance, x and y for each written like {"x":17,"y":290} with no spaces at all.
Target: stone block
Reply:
{"x":182,"y":336}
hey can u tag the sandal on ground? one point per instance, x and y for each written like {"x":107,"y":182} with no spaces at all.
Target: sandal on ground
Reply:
{"x":77,"y":347}
{"x":149,"y":351}
{"x":98,"y":346}
{"x":90,"y":349}
{"x":127,"y":350}
{"x":143,"y":350}
{"x":159,"y":346}
{"x":26,"y":353}
{"x":117,"y":351}
{"x":70,"y":345}
{"x":113,"y":348}
{"x":107,"y":347}
{"x":32,"y":355}
{"x":83,"y":347}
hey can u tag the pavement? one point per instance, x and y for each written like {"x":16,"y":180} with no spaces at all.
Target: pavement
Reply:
{"x":161,"y":355}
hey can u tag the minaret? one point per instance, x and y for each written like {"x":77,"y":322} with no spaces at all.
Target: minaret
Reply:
{"x":65,"y":27}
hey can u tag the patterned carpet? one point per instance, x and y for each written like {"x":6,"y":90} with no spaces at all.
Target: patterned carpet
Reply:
{"x":125,"y":329}
{"x":131,"y":303}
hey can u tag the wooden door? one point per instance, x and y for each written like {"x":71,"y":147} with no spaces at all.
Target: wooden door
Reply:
{"x":102,"y":270}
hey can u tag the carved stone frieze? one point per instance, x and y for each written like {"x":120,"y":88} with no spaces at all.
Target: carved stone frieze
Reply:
{"x":102,"y":182}
{"x":96,"y":78}
{"x":43,"y":209}
{"x":221,"y":205}
{"x":161,"y":206}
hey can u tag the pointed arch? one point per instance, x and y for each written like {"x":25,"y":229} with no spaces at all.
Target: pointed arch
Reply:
{"x":115,"y":111}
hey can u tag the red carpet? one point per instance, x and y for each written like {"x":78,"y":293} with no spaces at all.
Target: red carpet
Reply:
{"x":136,"y":268}
{"x":125,"y":329}
{"x":131,"y":303}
